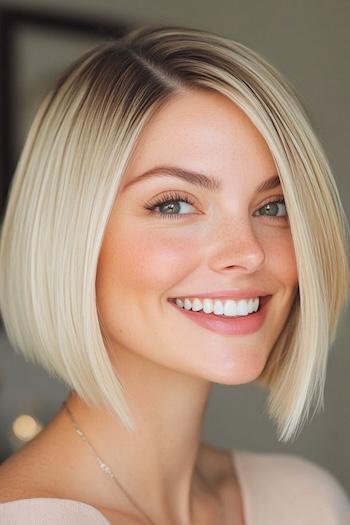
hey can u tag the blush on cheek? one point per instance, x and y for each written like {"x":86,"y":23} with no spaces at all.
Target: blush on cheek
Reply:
{"x":151,"y":262}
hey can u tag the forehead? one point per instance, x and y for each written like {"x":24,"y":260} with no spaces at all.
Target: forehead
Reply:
{"x":204,"y":130}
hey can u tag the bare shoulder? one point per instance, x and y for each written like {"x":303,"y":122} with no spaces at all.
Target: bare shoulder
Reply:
{"x":40,"y":468}
{"x":32,"y":471}
{"x":25,"y":488}
{"x":20,"y":477}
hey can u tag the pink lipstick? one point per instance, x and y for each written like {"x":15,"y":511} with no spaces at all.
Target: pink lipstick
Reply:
{"x":240,"y":325}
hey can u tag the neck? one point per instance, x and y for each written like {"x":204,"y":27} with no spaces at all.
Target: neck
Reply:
{"x":159,"y":463}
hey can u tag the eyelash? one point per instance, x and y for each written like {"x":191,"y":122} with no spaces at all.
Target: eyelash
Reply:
{"x":173,"y":197}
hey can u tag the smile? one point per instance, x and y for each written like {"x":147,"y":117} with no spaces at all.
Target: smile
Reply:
{"x":228,"y":307}
{"x":241,"y":324}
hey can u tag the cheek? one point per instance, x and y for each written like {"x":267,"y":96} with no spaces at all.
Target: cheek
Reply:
{"x":144,"y":259}
{"x":280,"y":252}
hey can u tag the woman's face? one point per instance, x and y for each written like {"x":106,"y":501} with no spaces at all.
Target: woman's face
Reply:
{"x":233,"y":238}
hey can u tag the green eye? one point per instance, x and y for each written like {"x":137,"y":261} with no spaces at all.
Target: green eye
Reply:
{"x":274,"y":209}
{"x":169,"y":206}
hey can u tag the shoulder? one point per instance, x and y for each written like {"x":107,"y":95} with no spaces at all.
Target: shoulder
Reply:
{"x":293,"y":482}
{"x":19,"y":479}
{"x":24,"y":499}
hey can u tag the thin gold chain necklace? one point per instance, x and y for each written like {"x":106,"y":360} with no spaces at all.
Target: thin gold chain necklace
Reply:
{"x":107,"y":470}
{"x":103,"y":466}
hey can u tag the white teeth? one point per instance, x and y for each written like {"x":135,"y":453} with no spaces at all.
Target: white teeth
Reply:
{"x":242,"y":308}
{"x":197,"y":305}
{"x":228,"y":308}
{"x":218,"y":307}
{"x":188,"y":304}
{"x":208,"y":306}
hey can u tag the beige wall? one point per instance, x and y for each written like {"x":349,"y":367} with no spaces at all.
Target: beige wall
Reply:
{"x":309,"y":42}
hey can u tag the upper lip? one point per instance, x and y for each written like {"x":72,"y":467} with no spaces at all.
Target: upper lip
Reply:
{"x":236,"y":293}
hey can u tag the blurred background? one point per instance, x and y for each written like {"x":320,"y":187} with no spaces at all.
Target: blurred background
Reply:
{"x":309,"y":43}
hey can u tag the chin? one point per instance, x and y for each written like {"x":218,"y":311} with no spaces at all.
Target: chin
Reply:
{"x":236,"y":373}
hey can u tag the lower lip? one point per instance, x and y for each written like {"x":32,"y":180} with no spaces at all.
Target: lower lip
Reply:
{"x":248,"y":324}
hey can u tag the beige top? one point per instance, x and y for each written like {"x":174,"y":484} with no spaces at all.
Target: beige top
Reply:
{"x":277,"y":489}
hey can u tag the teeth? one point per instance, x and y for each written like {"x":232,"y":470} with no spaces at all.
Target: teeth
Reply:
{"x":197,"y":305}
{"x":188,"y":304}
{"x":228,"y":308}
{"x":218,"y":307}
{"x":231,"y":308}
{"x":208,"y":306}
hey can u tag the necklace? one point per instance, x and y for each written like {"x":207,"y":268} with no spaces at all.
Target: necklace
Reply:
{"x":103,"y":466}
{"x":107,"y":470}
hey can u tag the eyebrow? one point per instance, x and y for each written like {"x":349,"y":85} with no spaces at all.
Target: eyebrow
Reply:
{"x":212,"y":184}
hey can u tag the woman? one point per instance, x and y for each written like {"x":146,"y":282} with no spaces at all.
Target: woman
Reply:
{"x":147,"y":253}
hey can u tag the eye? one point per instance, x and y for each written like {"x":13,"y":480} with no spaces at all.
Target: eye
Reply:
{"x":170,"y":207}
{"x":275,"y":209}
{"x":169,"y":202}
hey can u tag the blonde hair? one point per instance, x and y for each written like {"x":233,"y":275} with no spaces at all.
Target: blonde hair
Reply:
{"x":67,"y":180}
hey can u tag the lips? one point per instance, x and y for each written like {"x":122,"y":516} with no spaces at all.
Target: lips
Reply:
{"x":227,"y":325}
{"x":235,"y":293}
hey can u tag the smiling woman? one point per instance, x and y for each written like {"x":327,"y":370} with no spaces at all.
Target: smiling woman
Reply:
{"x":171,"y":184}
{"x":233,"y":226}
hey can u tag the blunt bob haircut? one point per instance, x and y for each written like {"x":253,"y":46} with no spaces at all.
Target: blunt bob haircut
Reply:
{"x":67,"y":180}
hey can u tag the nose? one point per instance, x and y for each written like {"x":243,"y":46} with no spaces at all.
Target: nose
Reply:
{"x":235,"y":245}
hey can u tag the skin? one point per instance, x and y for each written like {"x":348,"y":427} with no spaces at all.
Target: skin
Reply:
{"x":167,"y":363}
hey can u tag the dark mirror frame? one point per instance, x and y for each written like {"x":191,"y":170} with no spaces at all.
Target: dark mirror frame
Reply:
{"x":12,"y":21}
